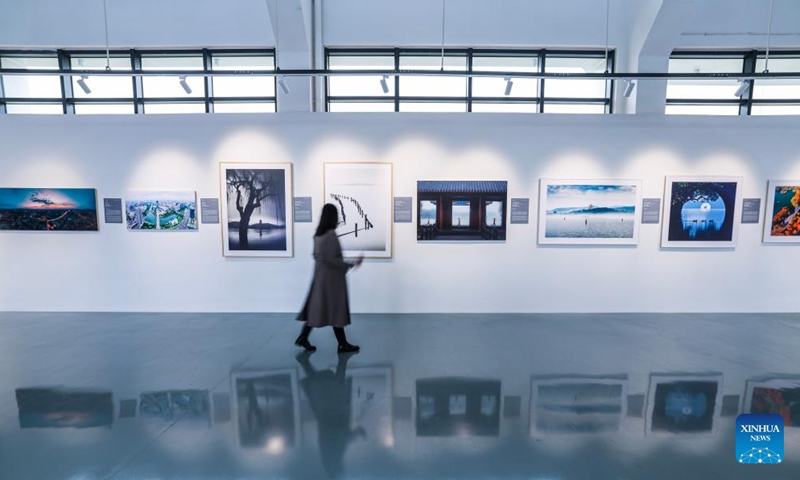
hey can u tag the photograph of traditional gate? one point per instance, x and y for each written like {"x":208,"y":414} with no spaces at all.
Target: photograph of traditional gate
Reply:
{"x":461,"y":210}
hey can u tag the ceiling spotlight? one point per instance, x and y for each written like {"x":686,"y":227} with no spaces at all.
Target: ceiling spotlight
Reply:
{"x":284,"y":86}
{"x":186,"y":87}
{"x":629,"y":86}
{"x":744,"y":86}
{"x":84,"y":86}
{"x":384,"y":84}
{"x":509,"y":86}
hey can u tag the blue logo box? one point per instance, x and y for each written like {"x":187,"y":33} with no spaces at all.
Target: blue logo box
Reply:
{"x":759,"y":439}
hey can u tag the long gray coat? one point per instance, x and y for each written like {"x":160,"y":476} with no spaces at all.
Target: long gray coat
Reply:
{"x":327,"y":303}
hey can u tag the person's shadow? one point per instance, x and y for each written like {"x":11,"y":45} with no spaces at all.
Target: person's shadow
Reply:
{"x":329,"y":395}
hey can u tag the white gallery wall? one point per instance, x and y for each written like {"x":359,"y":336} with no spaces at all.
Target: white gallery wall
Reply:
{"x":118,"y":270}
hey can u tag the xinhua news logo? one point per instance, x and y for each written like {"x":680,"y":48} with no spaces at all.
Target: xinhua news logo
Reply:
{"x":759,"y":439}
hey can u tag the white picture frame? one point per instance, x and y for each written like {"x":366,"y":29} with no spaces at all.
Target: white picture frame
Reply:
{"x":702,"y":222}
{"x":771,"y":211}
{"x":654,"y":401}
{"x":537,"y":409}
{"x":362,"y":193}
{"x":609,"y":209}
{"x":293,"y":390}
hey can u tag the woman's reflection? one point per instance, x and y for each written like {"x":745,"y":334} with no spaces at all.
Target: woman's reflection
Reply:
{"x":329,"y":395}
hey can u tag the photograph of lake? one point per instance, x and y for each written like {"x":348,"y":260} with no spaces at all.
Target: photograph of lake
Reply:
{"x":588,"y":213}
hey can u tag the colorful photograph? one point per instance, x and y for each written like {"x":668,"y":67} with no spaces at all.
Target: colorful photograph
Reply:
{"x":782,"y":224}
{"x":780,"y":396}
{"x":161,"y":211}
{"x":256,"y":209}
{"x":701,"y":212}
{"x":577,"y":404}
{"x":48,"y":209}
{"x":683,"y":404}
{"x":64,"y":408}
{"x":461,"y":210}
{"x":604,"y":212}
{"x":362,"y":192}
{"x":172,"y":405}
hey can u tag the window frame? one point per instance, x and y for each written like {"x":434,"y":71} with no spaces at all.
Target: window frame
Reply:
{"x":749,"y":60}
{"x":470,"y":99}
{"x":139,"y":100}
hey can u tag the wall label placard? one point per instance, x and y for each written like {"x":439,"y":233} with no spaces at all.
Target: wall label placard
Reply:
{"x":651,"y":210}
{"x":520,"y":210}
{"x":751,"y":210}
{"x":302,"y":210}
{"x":113,"y":210}
{"x":403,"y":210}
{"x":209,"y":210}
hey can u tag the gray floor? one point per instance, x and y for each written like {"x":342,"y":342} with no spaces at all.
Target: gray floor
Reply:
{"x":164,"y":396}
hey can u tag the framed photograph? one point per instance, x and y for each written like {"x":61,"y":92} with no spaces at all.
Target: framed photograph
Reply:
{"x":578,"y":404}
{"x":48,"y":209}
{"x":161,"y":211}
{"x":64,"y":408}
{"x":256,"y":209}
{"x":462,"y":210}
{"x":683,"y":403}
{"x":362,"y":192}
{"x":701,"y":212}
{"x":779,"y":396}
{"x":186,"y":406}
{"x":589,"y":212}
{"x":266,"y":409}
{"x":450,"y":407}
{"x":782,"y":219}
{"x":371,"y":403}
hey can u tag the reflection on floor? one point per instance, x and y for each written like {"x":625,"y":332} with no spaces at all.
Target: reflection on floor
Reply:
{"x":163,"y":396}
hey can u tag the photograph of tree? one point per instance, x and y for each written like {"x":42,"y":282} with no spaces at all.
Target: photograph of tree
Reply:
{"x":683,"y":404}
{"x":161,"y":211}
{"x":589,"y":212}
{"x":48,"y":209}
{"x":782,"y":222}
{"x":256,"y":209}
{"x":461,"y":210}
{"x":577,"y":404}
{"x":701,"y":212}
{"x":780,"y":396}
{"x":362,"y":192}
{"x":266,"y":409}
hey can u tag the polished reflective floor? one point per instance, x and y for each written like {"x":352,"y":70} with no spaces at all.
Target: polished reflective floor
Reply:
{"x":166,"y":396}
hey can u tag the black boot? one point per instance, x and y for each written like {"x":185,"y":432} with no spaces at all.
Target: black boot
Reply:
{"x":302,"y":340}
{"x":344,"y":345}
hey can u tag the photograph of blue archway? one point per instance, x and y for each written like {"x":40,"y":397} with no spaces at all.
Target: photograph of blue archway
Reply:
{"x":48,"y":209}
{"x":701,"y":212}
{"x":461,"y":210}
{"x":256,"y":209}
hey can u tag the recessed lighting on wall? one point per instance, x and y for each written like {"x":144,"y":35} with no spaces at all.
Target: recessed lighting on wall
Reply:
{"x":385,"y":84}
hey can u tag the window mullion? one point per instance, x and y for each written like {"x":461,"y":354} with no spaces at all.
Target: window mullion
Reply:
{"x":67,"y":96}
{"x":138,"y":90}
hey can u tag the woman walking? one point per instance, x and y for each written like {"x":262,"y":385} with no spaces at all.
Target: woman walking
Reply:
{"x":327,"y":304}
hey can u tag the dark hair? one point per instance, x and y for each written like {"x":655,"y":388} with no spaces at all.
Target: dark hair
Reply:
{"x":328,"y":220}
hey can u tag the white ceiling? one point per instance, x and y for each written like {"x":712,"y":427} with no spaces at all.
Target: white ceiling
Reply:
{"x":637,"y":27}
